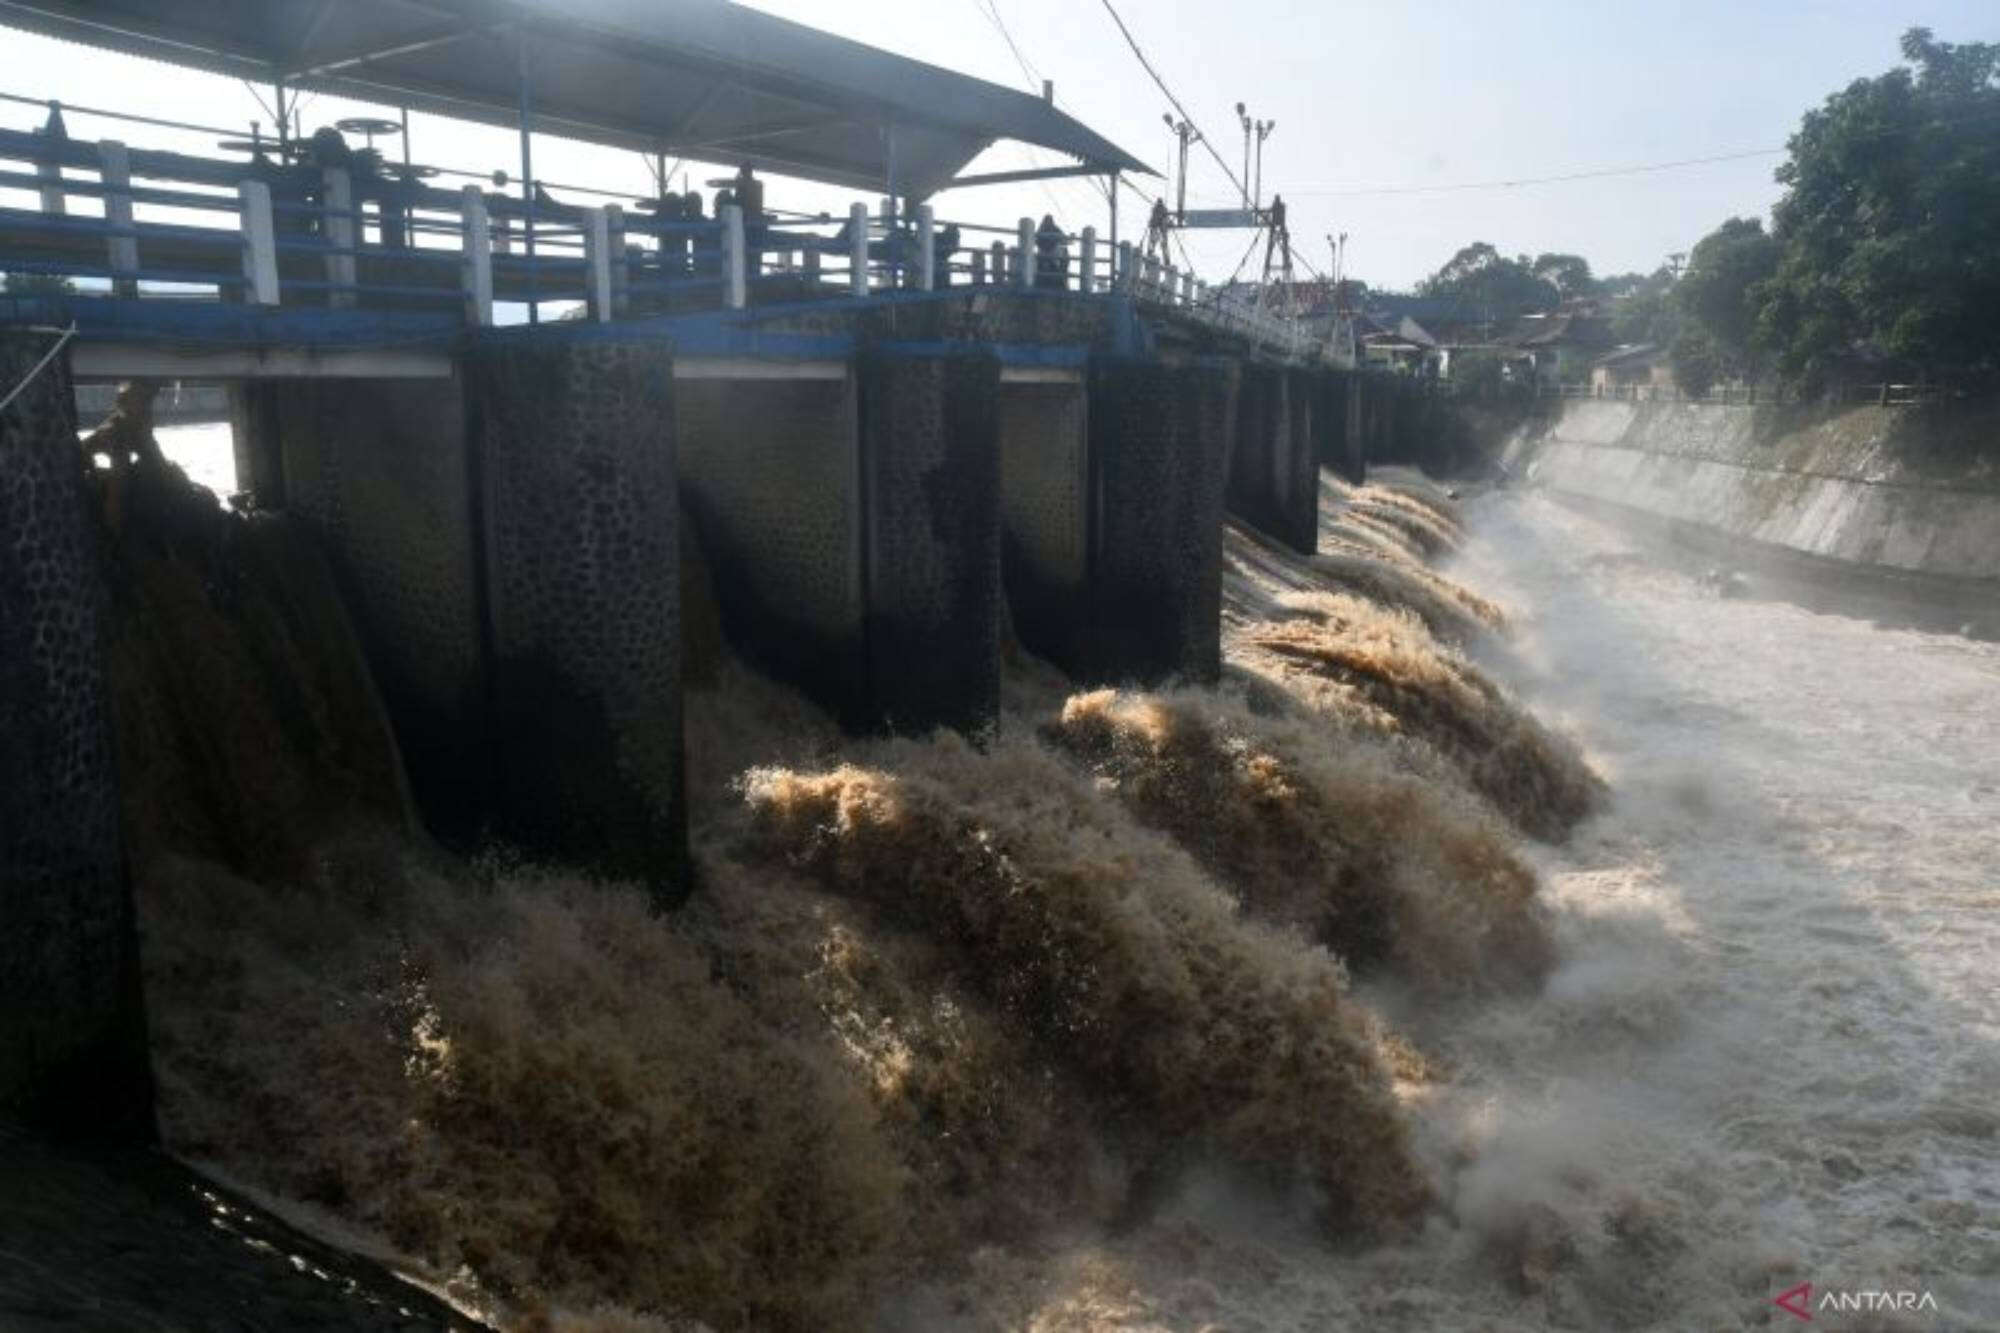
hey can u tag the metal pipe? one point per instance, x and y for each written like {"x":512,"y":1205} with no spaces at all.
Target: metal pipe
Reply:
{"x":527,"y":171}
{"x":71,"y":109}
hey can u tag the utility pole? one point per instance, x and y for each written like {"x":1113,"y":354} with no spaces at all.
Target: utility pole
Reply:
{"x":1187,"y":134}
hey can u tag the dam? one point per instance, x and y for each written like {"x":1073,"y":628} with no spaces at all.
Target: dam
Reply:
{"x":867,"y":769}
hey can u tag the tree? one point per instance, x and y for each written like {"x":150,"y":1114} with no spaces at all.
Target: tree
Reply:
{"x":1716,"y":293}
{"x":1889,"y":228}
{"x":1621,"y":284}
{"x":1697,"y":364}
{"x":1485,"y":282}
{"x":1568,"y":274}
{"x":1647,"y":311}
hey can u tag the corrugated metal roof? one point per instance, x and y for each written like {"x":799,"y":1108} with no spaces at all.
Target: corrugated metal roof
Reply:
{"x":699,"y":78}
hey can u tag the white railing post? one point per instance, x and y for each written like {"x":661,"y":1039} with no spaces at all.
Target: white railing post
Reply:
{"x":1024,"y":234}
{"x":926,"y":248}
{"x":260,"y":243}
{"x":857,"y":250}
{"x":1187,"y":288}
{"x":597,"y":264}
{"x":811,"y":265}
{"x":337,"y":227}
{"x":53,"y":200}
{"x":1170,"y":283}
{"x":1000,"y":270}
{"x":114,"y":168}
{"x":1086,"y":261}
{"x":735,"y":266}
{"x":1122,"y":279}
{"x":978,"y":268}
{"x":892,"y":261}
{"x":620,"y":251}
{"x":476,"y":270}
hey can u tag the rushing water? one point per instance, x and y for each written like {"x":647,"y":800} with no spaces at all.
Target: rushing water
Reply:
{"x":1783,"y":940}
{"x":204,"y":451}
{"x":1770,"y":1053}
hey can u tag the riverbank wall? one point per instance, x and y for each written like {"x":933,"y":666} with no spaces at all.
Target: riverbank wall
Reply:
{"x":1901,"y":503}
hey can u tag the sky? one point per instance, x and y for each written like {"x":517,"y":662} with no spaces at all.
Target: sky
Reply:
{"x":1383,"y":110}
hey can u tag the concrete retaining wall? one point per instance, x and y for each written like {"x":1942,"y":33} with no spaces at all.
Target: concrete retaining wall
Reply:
{"x":771,"y":476}
{"x":1896,"y":489}
{"x":381,"y":472}
{"x":72,"y":1029}
{"x":1045,"y":506}
{"x":851,"y":516}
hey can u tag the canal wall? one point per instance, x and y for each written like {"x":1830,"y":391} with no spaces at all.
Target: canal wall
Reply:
{"x":1904,"y":497}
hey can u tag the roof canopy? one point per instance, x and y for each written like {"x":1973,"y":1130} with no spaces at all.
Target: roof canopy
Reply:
{"x":696,"y":78}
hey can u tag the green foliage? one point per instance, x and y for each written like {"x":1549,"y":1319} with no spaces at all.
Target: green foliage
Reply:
{"x":1568,"y":274}
{"x":1889,"y":230}
{"x":1646,"y":312}
{"x":1477,"y":371}
{"x":1697,"y":363}
{"x":1482,"y":279}
{"x":1716,"y":292}
{"x":1618,"y":285}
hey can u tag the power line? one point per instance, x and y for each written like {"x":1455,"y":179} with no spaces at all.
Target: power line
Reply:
{"x":1161,"y":83}
{"x":993,"y":15}
{"x":992,"y":12}
{"x":1336,"y":192}
{"x":1310,"y":192}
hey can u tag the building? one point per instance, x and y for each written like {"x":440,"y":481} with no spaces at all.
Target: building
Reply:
{"x":1641,"y":366}
{"x":1566,"y":343}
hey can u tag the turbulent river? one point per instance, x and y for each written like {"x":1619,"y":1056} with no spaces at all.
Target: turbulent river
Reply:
{"x":1771,"y":1053}
{"x":1768,"y":1052}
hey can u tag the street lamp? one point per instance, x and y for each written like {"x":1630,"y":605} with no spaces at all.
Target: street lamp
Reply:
{"x":1243,"y":117}
{"x":1263,"y":128}
{"x":1187,"y":134}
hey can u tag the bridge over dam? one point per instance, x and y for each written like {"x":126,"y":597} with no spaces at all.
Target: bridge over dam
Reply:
{"x":892,"y":449}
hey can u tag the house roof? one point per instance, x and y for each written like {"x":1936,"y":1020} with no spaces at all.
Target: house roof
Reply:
{"x":1636,"y":354}
{"x":1576,"y":328}
{"x":699,"y":78}
{"x":1382,"y":324}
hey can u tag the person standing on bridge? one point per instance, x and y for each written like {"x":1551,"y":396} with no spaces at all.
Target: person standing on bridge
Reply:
{"x":944,"y":248}
{"x":1157,"y":227}
{"x":1051,"y":255}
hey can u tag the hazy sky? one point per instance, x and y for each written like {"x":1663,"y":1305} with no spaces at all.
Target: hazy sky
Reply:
{"x":1367,"y":97}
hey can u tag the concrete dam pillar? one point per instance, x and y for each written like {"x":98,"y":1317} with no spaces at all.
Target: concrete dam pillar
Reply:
{"x":850,"y":511}
{"x":1159,"y":435}
{"x":573,"y":442}
{"x":72,"y":1026}
{"x":1273,"y":462}
{"x":930,"y":475}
